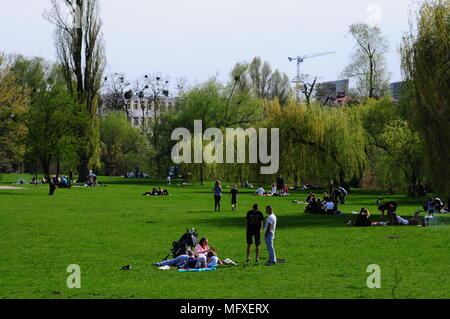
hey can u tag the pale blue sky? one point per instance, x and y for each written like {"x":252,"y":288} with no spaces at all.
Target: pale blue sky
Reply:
{"x":197,"y":39}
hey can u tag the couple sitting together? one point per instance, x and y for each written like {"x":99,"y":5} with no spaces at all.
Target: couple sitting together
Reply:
{"x":201,"y":257}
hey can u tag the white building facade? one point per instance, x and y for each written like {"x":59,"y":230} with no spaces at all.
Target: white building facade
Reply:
{"x":142,"y":110}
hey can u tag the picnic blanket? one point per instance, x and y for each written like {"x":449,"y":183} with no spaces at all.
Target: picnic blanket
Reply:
{"x":197,"y":269}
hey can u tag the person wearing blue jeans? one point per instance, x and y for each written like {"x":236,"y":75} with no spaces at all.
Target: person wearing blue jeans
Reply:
{"x":270,"y":226}
{"x":178,"y":261}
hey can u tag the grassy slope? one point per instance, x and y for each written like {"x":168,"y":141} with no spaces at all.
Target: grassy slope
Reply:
{"x":102,"y":229}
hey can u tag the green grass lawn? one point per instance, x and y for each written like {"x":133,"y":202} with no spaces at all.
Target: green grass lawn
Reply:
{"x":104,"y":228}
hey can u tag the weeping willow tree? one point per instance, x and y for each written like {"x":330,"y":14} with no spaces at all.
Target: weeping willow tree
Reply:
{"x":216,"y":106}
{"x":426,"y":65}
{"x":318,"y":143}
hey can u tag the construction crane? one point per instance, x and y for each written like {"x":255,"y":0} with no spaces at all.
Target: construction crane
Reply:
{"x":300,"y":59}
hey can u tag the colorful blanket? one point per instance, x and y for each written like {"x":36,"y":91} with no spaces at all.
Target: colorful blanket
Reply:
{"x":197,"y":269}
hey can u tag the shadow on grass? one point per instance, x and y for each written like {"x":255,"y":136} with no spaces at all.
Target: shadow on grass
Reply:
{"x":301,"y":220}
{"x":283,"y":221}
{"x":22,"y":193}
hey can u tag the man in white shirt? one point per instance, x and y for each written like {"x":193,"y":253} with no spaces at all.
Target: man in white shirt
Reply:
{"x":260,"y":191}
{"x":269,"y":228}
{"x":342,"y":194}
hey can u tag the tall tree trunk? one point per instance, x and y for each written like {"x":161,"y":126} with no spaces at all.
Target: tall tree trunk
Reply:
{"x":371,"y":71}
{"x":201,"y":174}
{"x":83,"y":169}
{"x":57,"y":166}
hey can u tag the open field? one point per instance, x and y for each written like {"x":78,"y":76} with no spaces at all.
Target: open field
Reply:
{"x":104,"y":228}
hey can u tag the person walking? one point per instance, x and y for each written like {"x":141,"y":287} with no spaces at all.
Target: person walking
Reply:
{"x":342,"y":194}
{"x":217,"y":196}
{"x":234,"y":193}
{"x":254,"y":224}
{"x":269,"y":229}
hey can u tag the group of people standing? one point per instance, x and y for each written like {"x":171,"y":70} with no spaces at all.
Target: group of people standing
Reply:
{"x":254,"y":223}
{"x":218,"y":190}
{"x":278,"y":189}
{"x":254,"y":227}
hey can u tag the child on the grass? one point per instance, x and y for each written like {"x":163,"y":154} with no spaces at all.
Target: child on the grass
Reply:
{"x":234,"y":193}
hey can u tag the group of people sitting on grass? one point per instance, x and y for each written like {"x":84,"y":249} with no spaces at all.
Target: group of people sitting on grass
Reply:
{"x":325,"y":206}
{"x":92,"y":180}
{"x":62,"y":182}
{"x":435,"y":205}
{"x":157,"y":192}
{"x":275,"y":191}
{"x":201,"y":257}
{"x":364,"y":219}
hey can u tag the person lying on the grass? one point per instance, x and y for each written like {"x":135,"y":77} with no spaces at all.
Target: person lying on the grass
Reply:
{"x":363,"y":219}
{"x":191,"y":260}
{"x":390,"y":207}
{"x":395,"y":220}
{"x":178,"y":261}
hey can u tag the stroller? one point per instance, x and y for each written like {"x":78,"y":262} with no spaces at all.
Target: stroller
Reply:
{"x":188,"y":240}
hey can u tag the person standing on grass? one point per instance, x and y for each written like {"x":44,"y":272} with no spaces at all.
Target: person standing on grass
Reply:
{"x":217,"y":196}
{"x":233,"y":193}
{"x":280,"y":184}
{"x":430,"y":207}
{"x":269,"y":229}
{"x":342,"y":194}
{"x":254,"y":224}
